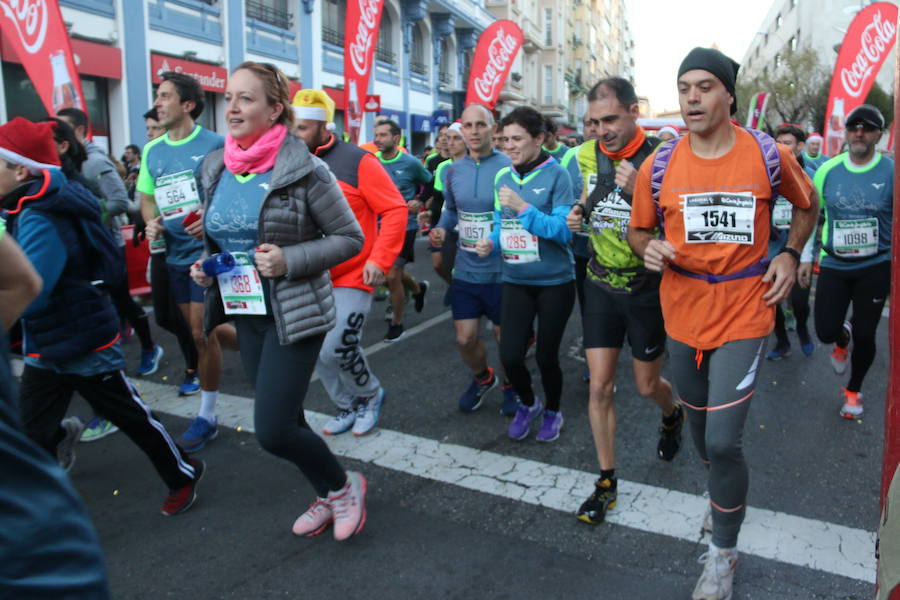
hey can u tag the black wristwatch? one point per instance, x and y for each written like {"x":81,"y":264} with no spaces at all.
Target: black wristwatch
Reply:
{"x":792,"y":252}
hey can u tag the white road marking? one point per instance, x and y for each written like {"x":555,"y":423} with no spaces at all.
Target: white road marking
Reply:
{"x":819,"y":545}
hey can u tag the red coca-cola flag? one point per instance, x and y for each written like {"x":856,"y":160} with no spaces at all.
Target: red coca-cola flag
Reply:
{"x":360,"y":36}
{"x":494,"y":55}
{"x":36,"y":30}
{"x":869,"y":40}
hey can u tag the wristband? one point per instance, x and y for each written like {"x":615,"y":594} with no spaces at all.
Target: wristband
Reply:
{"x":792,"y":252}
{"x":580,"y":206}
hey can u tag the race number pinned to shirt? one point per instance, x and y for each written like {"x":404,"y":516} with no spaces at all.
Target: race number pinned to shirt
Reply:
{"x":856,"y":238}
{"x":782,"y":213}
{"x":473,"y":227}
{"x":517,"y":246}
{"x":176,"y":195}
{"x":241,"y":288}
{"x":612,"y":212}
{"x":719,"y":217}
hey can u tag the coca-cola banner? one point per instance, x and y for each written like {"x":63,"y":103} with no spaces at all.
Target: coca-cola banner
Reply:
{"x":36,"y":30}
{"x":494,"y":55}
{"x":756,"y":114}
{"x":869,"y":40}
{"x":360,"y":36}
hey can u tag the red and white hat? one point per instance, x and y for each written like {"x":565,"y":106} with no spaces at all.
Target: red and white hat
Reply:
{"x":23,"y":142}
{"x":813,"y":137}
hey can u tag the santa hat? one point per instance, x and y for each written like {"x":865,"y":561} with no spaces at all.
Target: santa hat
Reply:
{"x":455,"y":126}
{"x":669,"y":129}
{"x":813,"y":137}
{"x":23,"y":142}
{"x":314,"y":105}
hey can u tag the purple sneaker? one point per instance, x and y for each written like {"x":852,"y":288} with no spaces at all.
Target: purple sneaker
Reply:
{"x":521,"y":423}
{"x":553,"y":422}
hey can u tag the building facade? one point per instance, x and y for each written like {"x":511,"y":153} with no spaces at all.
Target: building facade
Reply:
{"x":423,"y":52}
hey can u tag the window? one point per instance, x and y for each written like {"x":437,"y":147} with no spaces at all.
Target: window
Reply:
{"x":333,"y":17}
{"x":792,"y":44}
{"x":548,"y":84}
{"x":778,"y":22}
{"x":384,"y":50}
{"x":273,"y":12}
{"x":417,"y":61}
{"x":548,"y":26}
{"x":444,"y":75}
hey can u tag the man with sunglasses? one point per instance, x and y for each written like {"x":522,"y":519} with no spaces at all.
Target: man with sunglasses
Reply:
{"x":856,"y":188}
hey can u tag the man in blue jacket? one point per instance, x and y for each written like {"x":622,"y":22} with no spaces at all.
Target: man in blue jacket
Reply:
{"x":71,"y":330}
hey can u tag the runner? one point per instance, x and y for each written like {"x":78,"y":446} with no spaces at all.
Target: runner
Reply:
{"x":168,"y":182}
{"x":475,"y":290}
{"x":718,"y":290}
{"x":621,"y":296}
{"x":289,"y":226}
{"x":668,"y":133}
{"x":532,"y":199}
{"x":857,"y":191}
{"x":151,"y":122}
{"x":342,"y":363}
{"x":71,"y":330}
{"x":812,"y":155}
{"x":793,"y":137}
{"x":408,"y":174}
{"x":443,"y":261}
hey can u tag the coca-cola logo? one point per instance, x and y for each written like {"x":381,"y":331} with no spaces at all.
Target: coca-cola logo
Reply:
{"x":876,"y":39}
{"x":500,"y":53}
{"x":29,"y":17}
{"x":365,"y":35}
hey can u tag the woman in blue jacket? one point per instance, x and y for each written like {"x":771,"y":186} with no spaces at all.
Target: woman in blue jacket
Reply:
{"x":532,"y":198}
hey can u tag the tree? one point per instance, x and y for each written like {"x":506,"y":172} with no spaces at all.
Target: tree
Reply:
{"x":882,"y":101}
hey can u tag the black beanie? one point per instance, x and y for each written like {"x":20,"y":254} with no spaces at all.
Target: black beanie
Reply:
{"x":710,"y":59}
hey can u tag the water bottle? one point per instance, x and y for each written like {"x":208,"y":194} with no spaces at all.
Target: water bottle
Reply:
{"x":218,"y":264}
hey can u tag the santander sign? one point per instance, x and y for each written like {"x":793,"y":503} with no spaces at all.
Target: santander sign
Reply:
{"x":29,"y":17}
{"x":365,"y":35}
{"x":494,"y":55}
{"x":876,"y":39}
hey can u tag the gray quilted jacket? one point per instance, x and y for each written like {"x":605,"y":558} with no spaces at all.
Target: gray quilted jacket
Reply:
{"x":306,"y":215}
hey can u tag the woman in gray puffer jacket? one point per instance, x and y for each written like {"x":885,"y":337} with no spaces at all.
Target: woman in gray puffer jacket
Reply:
{"x":280,"y":213}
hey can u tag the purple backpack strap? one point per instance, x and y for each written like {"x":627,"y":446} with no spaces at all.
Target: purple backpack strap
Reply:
{"x":658,"y":172}
{"x":771,"y":159}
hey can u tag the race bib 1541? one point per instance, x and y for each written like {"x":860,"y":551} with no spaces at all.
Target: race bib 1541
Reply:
{"x":721,"y":217}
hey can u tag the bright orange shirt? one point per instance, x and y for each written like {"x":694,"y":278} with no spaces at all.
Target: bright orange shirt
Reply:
{"x":697,"y":313}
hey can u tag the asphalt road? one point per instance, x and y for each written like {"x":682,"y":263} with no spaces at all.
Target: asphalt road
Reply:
{"x":428,"y":538}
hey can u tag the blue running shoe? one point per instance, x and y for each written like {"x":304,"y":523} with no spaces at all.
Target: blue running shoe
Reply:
{"x":806,"y":343}
{"x":521,"y":423}
{"x":150,"y":360}
{"x":190,"y":385}
{"x":471,"y":399}
{"x":510,"y":401}
{"x":198,"y":434}
{"x":780,"y":351}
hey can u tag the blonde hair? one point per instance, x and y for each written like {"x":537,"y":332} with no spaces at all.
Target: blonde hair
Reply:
{"x":275,"y":86}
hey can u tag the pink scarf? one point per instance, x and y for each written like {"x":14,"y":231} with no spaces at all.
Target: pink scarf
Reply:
{"x":258,"y":158}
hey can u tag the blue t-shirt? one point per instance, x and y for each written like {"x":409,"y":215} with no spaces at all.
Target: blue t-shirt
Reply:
{"x":408,"y":174}
{"x":232,"y":218}
{"x":858,"y":200}
{"x":162,"y":157}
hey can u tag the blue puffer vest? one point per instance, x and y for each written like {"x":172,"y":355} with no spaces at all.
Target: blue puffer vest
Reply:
{"x":79,"y":317}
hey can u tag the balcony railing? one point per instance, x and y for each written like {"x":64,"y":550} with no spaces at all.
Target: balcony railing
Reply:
{"x":385,"y":55}
{"x":268,"y":14}
{"x":333,"y":36}
{"x":445,"y":78}
{"x":419,"y":68}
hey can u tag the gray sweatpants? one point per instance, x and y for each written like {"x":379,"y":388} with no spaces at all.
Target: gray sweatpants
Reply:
{"x":716,"y":387}
{"x":342,"y":364}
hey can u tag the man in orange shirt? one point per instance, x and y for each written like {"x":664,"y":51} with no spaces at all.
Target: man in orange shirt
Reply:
{"x":714,"y":188}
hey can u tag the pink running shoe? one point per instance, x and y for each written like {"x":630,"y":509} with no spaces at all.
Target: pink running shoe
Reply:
{"x":315,"y":520}
{"x":348,"y":505}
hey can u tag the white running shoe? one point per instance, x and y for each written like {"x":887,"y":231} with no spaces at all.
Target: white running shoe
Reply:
{"x":368,"y":412}
{"x":348,"y":505}
{"x":315,"y":520}
{"x":718,"y":574}
{"x":340,"y":423}
{"x":65,"y":449}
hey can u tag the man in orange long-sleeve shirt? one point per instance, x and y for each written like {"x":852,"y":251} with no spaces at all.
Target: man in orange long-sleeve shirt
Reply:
{"x":342,"y":363}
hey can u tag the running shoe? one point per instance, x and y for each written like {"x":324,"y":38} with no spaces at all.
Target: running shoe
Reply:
{"x":670,"y":434}
{"x":97,"y":429}
{"x":315,"y":520}
{"x":510,"y":401}
{"x":348,"y":505}
{"x":550,"y":427}
{"x":716,"y":581}
{"x":65,"y":450}
{"x":368,"y":411}
{"x":839,"y":355}
{"x":853,"y":404}
{"x":420,"y":297}
{"x":593,"y":510}
{"x":190,"y":385}
{"x":471,"y":399}
{"x":521,"y":423}
{"x":198,"y":434}
{"x":388,"y":312}
{"x":340,"y":423}
{"x":394,"y":333}
{"x":790,"y":321}
{"x":150,"y":360}
{"x":184,"y":497}
{"x":806,"y":344}
{"x":781,"y":350}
